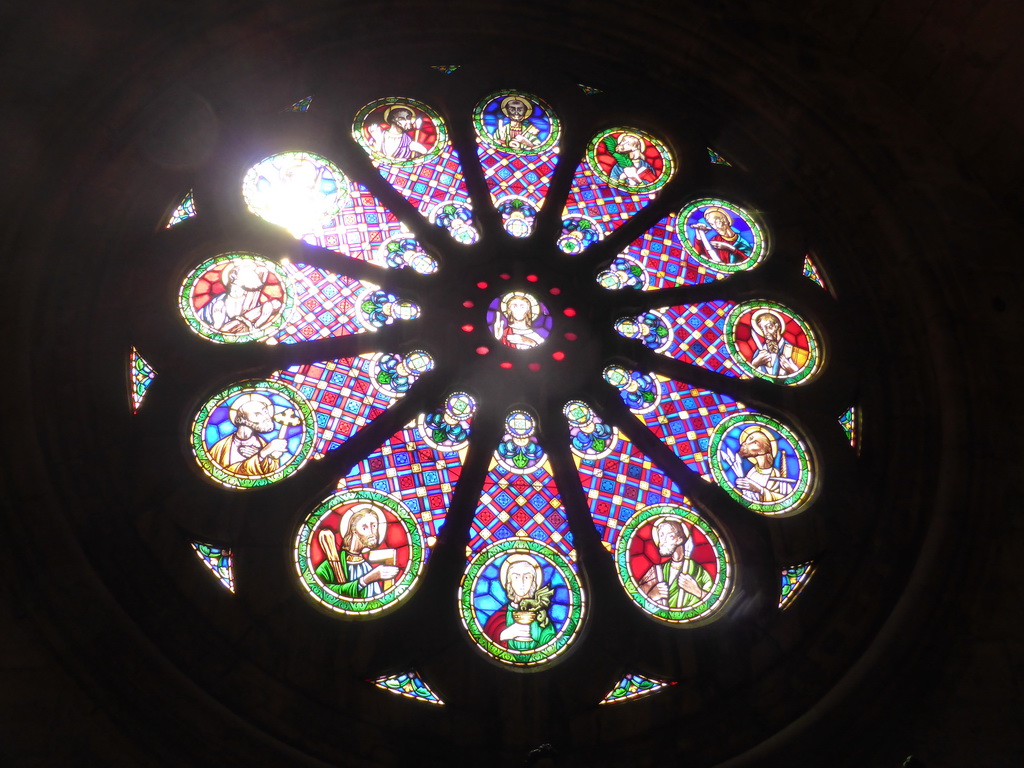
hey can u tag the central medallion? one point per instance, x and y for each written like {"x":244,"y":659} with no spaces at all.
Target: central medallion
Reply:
{"x":518,"y":320}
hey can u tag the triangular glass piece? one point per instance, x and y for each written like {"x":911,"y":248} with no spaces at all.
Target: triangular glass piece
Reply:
{"x":636,"y":509}
{"x":793,"y":581}
{"x":242,"y":297}
{"x":521,"y":599}
{"x":589,"y":90}
{"x":186,"y":210}
{"x":811,"y":272}
{"x":760,"y":339}
{"x":218,"y":560}
{"x":634,"y":686}
{"x":716,"y":158}
{"x":445,"y":69}
{"x":517,"y":137}
{"x":756,"y":459}
{"x":408,"y":684}
{"x":140,"y":377}
{"x":849,"y":422}
{"x":301,"y":105}
{"x":407,"y":141}
{"x":621,"y":173}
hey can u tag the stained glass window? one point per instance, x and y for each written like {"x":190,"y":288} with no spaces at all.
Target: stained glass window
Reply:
{"x":408,"y":684}
{"x":140,"y":378}
{"x":848,"y":421}
{"x":433,"y":373}
{"x":633,"y":686}
{"x":793,"y":581}
{"x":219,"y":561}
{"x":186,"y":209}
{"x":811,"y":272}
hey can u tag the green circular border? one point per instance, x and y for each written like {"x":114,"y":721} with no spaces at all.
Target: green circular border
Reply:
{"x":211,"y":468}
{"x":757,"y":254}
{"x":197,"y":325}
{"x":809,"y":371}
{"x":360,"y":607}
{"x":668,"y":171}
{"x":362,"y":114}
{"x":723,"y":582}
{"x":478,"y":122}
{"x":800,"y":494}
{"x":561,"y":641}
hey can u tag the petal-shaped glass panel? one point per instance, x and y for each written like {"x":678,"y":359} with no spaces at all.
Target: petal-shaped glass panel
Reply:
{"x":517,"y":137}
{"x":242,"y":297}
{"x":348,"y":394}
{"x":421,"y":464}
{"x":521,"y":599}
{"x":310,"y":197}
{"x":408,"y":143}
{"x":673,"y":251}
{"x":621,"y":173}
{"x":406,"y":484}
{"x":759,"y":461}
{"x":669,"y":559}
{"x":755,"y":338}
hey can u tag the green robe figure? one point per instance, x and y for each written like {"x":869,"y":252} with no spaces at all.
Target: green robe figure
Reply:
{"x":679,"y":582}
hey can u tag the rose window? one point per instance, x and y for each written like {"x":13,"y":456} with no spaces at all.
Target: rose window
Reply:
{"x":459,"y":331}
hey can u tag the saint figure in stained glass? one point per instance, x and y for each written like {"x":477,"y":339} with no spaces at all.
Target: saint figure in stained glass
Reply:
{"x":360,"y":551}
{"x":520,"y":322}
{"x":721,"y":235}
{"x":253,"y":433}
{"x":236,"y":297}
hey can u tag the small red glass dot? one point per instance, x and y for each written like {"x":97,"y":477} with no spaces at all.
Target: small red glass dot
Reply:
{"x":468,"y":304}
{"x":506,"y":365}
{"x":481,"y":285}
{"x":467,"y":328}
{"x":571,"y":336}
{"x":482,"y":350}
{"x":555,"y":291}
{"x":569,"y":312}
{"x":534,"y":366}
{"x":504,"y":276}
{"x":531,"y":278}
{"x":558,"y":355}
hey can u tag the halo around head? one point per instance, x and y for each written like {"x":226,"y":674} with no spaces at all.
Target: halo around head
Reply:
{"x":720,"y":211}
{"x":245,"y":399}
{"x":656,"y":536}
{"x":520,"y":557}
{"x":516,"y":97}
{"x":772,"y":440}
{"x":534,"y":304}
{"x":393,"y":107}
{"x":362,"y":507}
{"x":755,"y":320}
